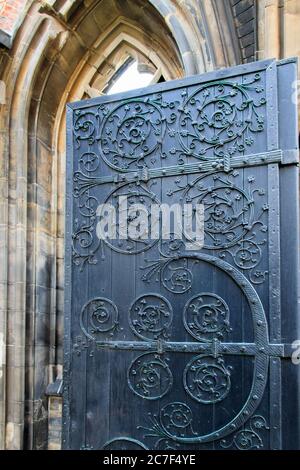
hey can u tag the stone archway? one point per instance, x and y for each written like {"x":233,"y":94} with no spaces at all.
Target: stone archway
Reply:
{"x":61,"y":49}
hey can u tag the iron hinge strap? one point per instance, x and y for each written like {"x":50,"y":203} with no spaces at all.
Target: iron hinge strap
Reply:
{"x":223,"y":164}
{"x":214,"y":348}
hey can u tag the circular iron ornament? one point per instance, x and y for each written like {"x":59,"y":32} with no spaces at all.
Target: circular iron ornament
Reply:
{"x":130,"y":201}
{"x":260,"y":366}
{"x":85,"y":124}
{"x":89,"y":162}
{"x":124,"y":443}
{"x":206,"y":316}
{"x":176,"y":417}
{"x":176,"y":276}
{"x":99,"y":316}
{"x":206,"y":379}
{"x":150,"y":317}
{"x":149,"y":376}
{"x":247,"y":255}
{"x":131,"y":132}
{"x":221,"y":117}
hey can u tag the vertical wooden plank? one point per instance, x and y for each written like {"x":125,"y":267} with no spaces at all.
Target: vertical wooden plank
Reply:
{"x":289,"y":243}
{"x":122,"y":399}
{"x":99,"y":360}
{"x":272,"y":107}
{"x":289,"y":247}
{"x":274,"y":256}
{"x":202,"y":283}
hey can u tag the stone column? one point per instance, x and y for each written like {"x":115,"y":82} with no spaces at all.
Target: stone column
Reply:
{"x":278,"y":28}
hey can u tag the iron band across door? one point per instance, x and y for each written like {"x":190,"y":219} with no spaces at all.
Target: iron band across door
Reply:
{"x":83,"y":182}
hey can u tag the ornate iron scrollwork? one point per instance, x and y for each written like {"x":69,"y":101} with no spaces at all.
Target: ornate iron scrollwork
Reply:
{"x":149,"y":376}
{"x":175,"y":421}
{"x":86,"y":123}
{"x":234,"y":225}
{"x":85,"y":243}
{"x":206,"y":379}
{"x":217,"y":120}
{"x":151,"y":316}
{"x":99,"y":317}
{"x":172,"y":270}
{"x":137,"y":194}
{"x":249,"y":437}
{"x":206,"y":316}
{"x":221,"y":117}
{"x":131,"y":132}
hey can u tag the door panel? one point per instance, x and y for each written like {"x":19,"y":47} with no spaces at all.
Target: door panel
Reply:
{"x":170,"y":348}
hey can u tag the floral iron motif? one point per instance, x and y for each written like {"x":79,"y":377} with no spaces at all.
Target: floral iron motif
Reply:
{"x":151,"y":316}
{"x":233,"y":226}
{"x":215,"y":122}
{"x":221,"y":117}
{"x":85,"y":240}
{"x":172,"y":271}
{"x":133,"y":131}
{"x":136,"y":194}
{"x":149,"y":376}
{"x":99,"y":316}
{"x":249,"y":437}
{"x":206,"y":379}
{"x":174,"y":421}
{"x":216,"y":119}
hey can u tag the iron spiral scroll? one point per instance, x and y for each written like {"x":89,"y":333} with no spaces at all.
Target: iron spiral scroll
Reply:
{"x":158,"y":425}
{"x":146,"y":371}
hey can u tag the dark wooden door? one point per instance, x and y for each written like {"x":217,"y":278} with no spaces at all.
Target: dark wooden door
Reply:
{"x":168,"y":348}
